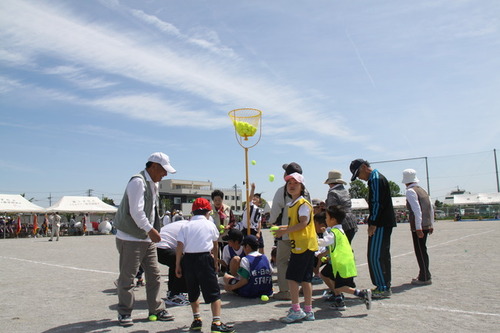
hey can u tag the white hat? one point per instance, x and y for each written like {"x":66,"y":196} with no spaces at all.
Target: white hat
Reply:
{"x":297,"y":176}
{"x":409,"y":176}
{"x":162,"y":160}
{"x":335,"y":177}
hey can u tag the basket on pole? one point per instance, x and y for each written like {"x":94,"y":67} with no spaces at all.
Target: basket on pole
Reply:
{"x":247,"y":125}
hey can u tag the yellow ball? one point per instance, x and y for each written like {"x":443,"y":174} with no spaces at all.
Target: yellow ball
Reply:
{"x":264,"y":298}
{"x":271,"y":178}
{"x":254,"y":162}
{"x":153,"y":318}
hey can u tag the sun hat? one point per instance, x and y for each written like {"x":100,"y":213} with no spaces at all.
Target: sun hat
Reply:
{"x":162,"y":160}
{"x":201,"y":204}
{"x":335,"y":177}
{"x":354,"y":167}
{"x":409,"y":176}
{"x":297,"y":176}
{"x":291,"y":168}
{"x":315,"y":202}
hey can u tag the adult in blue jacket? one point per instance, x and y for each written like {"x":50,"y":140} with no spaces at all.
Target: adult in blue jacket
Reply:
{"x":380,"y":224}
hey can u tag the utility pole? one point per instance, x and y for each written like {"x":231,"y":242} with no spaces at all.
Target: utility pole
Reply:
{"x":89,"y":191}
{"x":496,"y":169}
{"x":235,"y":197}
{"x":50,"y":199}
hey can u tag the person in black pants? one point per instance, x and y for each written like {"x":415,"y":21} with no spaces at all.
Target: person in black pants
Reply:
{"x":421,"y":223}
{"x":380,"y":223}
{"x":166,"y":250}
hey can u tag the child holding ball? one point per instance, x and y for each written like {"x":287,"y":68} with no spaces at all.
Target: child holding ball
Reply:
{"x":304,"y":243}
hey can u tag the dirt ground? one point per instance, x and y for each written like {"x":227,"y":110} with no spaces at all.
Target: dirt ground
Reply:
{"x":67,"y":286}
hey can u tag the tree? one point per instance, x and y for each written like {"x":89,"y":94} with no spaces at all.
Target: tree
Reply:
{"x":395,"y":189}
{"x":438,"y":203}
{"x":358,"y":190}
{"x":109,"y":201}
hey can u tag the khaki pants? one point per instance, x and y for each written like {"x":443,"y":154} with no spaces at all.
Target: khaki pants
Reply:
{"x":282,"y":257}
{"x":133,"y":255}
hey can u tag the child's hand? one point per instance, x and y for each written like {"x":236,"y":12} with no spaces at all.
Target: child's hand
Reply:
{"x":280,"y":232}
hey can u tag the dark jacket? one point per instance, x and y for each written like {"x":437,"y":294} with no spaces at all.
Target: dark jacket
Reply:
{"x":380,"y":201}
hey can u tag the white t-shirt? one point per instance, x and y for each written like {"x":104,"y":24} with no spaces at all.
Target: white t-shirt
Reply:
{"x":169,"y":233}
{"x":226,"y":254}
{"x":198,"y":235}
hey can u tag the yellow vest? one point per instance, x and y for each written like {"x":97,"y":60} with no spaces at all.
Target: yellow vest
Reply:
{"x":341,"y":256}
{"x":305,"y":239}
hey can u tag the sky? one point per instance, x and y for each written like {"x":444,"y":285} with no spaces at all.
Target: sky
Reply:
{"x":89,"y":89}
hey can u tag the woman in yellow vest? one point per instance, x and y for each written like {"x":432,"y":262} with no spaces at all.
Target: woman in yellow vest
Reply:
{"x":340,"y":275}
{"x":304,"y":243}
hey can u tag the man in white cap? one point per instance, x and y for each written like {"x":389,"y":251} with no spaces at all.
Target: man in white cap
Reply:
{"x":138,"y":224}
{"x":421,"y":223}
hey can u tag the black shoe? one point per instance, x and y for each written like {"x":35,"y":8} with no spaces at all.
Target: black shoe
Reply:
{"x":221,"y":328}
{"x":195,"y":325}
{"x":125,"y":320}
{"x":163,"y":315}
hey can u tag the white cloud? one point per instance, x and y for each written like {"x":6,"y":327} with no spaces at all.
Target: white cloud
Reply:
{"x":34,"y":28}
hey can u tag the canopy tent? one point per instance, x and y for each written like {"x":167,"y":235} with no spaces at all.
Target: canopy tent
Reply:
{"x":359,"y":204}
{"x":399,"y":202}
{"x":476,"y":199}
{"x":15,"y":203}
{"x":74,"y":204}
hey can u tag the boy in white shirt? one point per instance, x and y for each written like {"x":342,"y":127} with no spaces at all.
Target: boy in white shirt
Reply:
{"x":197,"y":261}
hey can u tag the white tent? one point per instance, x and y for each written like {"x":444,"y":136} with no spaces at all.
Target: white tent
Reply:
{"x":476,"y":199}
{"x":358,"y":204}
{"x":399,"y":202}
{"x":15,"y":203}
{"x":74,"y":204}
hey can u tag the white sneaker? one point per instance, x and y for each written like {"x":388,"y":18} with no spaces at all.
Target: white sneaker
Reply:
{"x":177,"y":300}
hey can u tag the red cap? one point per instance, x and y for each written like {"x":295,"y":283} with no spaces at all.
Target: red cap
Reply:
{"x":201,"y":204}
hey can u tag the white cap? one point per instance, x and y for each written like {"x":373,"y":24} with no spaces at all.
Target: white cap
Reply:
{"x":409,"y":176}
{"x":162,"y":160}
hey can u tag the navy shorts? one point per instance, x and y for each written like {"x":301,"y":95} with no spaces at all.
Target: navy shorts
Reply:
{"x":340,"y":282}
{"x":300,"y":267}
{"x":199,"y":272}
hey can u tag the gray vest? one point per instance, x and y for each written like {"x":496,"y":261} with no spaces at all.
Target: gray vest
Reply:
{"x":124,"y":221}
{"x":425,"y":206}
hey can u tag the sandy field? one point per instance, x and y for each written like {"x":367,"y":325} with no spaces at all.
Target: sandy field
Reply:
{"x":67,"y":286}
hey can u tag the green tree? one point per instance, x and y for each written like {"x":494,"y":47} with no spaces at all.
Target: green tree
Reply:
{"x":395,"y":189}
{"x":438,"y":203}
{"x":109,"y":201}
{"x":358,"y":190}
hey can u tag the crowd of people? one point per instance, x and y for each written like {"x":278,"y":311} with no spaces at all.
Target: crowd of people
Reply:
{"x":312,"y":242}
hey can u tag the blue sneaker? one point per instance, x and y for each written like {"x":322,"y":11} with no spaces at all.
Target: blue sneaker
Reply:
{"x":309,"y":316}
{"x":293,"y":316}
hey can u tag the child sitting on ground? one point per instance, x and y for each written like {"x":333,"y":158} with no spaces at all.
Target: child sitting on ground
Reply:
{"x":339,"y":276}
{"x":254,"y":274}
{"x":232,"y":252}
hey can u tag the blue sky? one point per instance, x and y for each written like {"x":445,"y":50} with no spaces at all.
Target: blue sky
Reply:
{"x":88,"y":89}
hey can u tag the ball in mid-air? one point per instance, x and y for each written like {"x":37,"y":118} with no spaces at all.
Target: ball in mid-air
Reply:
{"x":271,"y":178}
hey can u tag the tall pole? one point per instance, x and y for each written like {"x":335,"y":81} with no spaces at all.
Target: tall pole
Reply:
{"x":246,"y":190}
{"x":427,"y":172}
{"x":496,"y":169}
